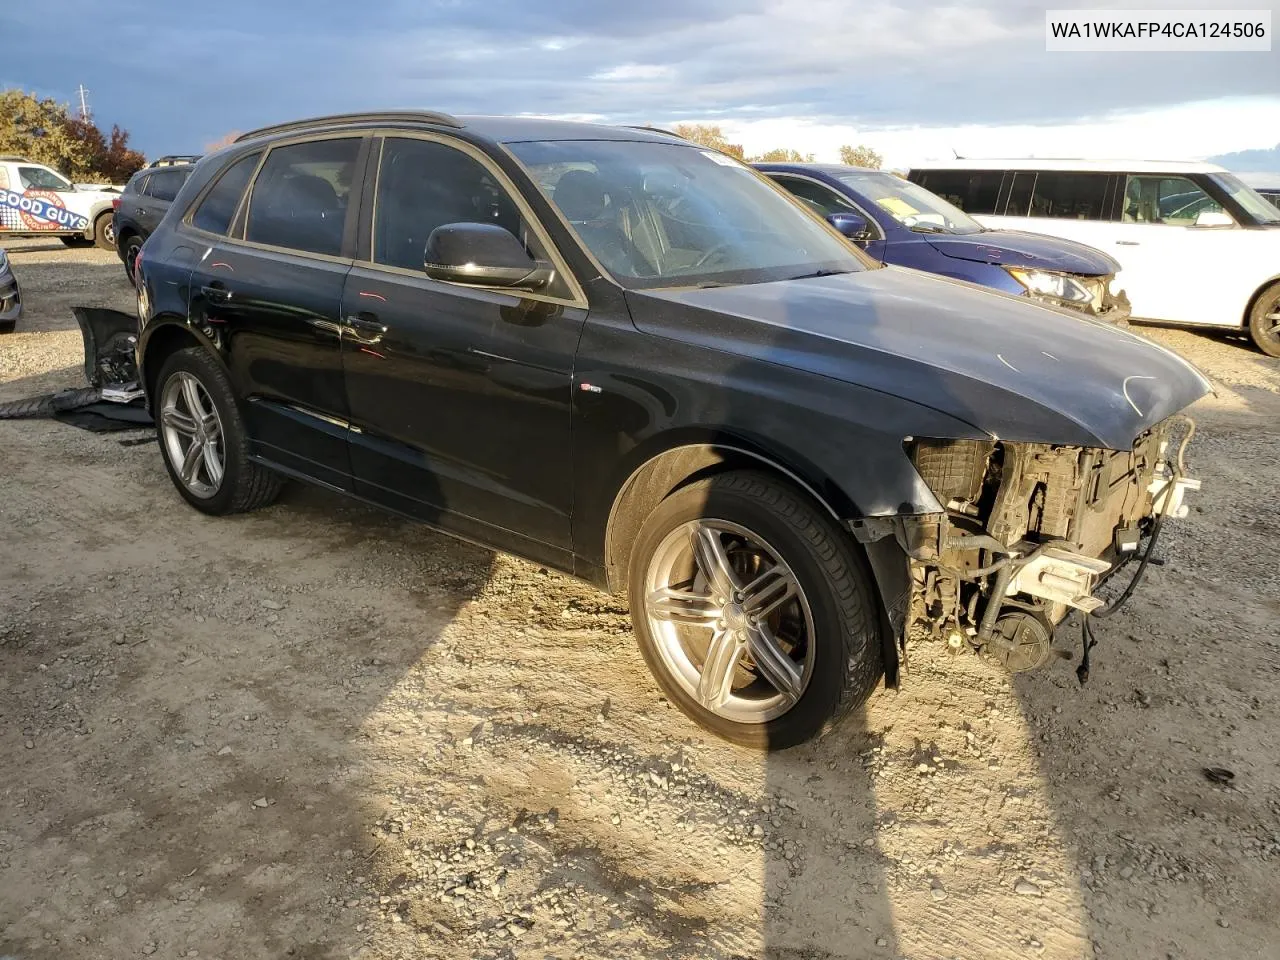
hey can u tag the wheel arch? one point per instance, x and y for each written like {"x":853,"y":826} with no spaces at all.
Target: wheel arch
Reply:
{"x":1255,"y":297}
{"x":163,"y":339}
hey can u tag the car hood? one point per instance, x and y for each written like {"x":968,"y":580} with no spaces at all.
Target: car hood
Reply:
{"x":1014,"y":248}
{"x":1006,"y":366}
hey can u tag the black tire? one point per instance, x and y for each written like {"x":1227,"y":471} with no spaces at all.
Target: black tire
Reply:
{"x":1264,"y":321}
{"x":8,"y":326}
{"x":129,"y":253}
{"x":76,"y":242}
{"x":245,"y":485}
{"x":104,"y":233}
{"x":835,"y":578}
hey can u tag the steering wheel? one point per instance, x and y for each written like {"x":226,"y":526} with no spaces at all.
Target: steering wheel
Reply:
{"x":718,"y":248}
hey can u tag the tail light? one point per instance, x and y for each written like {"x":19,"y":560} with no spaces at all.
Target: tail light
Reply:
{"x":115,"y":203}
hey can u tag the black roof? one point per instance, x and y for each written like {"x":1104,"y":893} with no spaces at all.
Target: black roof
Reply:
{"x":501,"y":129}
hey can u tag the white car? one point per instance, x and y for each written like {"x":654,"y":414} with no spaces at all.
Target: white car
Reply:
{"x":37,"y":201}
{"x":1196,"y":246}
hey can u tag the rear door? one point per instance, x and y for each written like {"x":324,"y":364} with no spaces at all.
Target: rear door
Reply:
{"x":272,"y":289}
{"x":460,"y":396}
{"x":155,"y":198}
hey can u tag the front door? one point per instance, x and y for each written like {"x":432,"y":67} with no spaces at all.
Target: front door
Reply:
{"x":272,"y":290}
{"x":460,"y":396}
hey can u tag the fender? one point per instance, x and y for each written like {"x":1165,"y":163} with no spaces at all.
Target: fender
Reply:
{"x":160,"y":337}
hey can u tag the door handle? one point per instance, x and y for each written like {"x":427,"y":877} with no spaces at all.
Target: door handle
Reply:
{"x":365,"y":328}
{"x":216,"y":291}
{"x":1127,"y":243}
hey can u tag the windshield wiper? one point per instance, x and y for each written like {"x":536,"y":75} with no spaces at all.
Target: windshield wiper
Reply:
{"x":819,"y":273}
{"x":927,"y":228}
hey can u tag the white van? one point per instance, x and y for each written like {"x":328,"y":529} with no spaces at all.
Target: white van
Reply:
{"x":1195,"y":245}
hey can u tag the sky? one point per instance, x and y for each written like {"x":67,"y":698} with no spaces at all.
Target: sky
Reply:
{"x":914,"y":79}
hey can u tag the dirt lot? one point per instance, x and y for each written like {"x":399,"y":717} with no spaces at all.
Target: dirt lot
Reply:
{"x":317,"y":731}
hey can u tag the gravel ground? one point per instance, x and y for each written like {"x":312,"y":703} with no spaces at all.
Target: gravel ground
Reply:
{"x":321,"y":732}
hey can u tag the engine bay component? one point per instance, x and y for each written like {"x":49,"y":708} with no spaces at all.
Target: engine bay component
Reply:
{"x":1020,"y":641}
{"x":1060,"y":576}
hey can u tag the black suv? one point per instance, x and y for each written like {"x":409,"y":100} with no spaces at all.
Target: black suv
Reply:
{"x":143,"y":204}
{"x":617,"y":353}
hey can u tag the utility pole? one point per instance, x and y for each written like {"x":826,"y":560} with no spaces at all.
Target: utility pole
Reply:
{"x":84,"y":102}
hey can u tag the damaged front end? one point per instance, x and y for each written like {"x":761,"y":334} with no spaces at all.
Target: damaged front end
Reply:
{"x":1030,"y":532}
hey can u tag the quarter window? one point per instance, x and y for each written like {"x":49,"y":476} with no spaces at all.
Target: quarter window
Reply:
{"x":219,"y":205}
{"x":973,"y":191}
{"x":1066,"y":196}
{"x":423,"y":184}
{"x":300,"y":198}
{"x":1176,"y":201}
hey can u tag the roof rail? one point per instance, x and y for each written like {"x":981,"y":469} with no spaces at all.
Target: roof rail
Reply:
{"x":400,"y":116}
{"x":643,"y":126}
{"x":172,"y":158}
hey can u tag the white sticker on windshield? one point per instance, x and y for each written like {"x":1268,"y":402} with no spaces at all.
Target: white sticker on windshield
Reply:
{"x":719,"y":158}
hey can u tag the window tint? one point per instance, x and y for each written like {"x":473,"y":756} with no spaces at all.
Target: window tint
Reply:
{"x":164,"y":185}
{"x":1170,"y":200}
{"x":822,"y":200}
{"x":973,"y":191}
{"x":1069,"y":196}
{"x":422,"y":185}
{"x":219,"y":205}
{"x":300,"y":198}
{"x":38,"y":178}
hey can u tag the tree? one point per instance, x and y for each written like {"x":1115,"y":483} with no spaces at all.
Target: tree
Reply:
{"x":708,"y":135}
{"x":783,"y":155}
{"x":226,"y":140}
{"x":860,"y":156}
{"x":43,"y":130}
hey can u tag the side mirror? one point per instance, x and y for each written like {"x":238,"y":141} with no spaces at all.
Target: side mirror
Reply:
{"x":1214,"y":218}
{"x":484,"y":255}
{"x":852,"y":225}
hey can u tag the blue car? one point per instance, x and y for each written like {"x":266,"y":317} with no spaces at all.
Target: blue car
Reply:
{"x":899,"y":222}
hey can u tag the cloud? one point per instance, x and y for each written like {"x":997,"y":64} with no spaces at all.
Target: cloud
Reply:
{"x":182,"y":79}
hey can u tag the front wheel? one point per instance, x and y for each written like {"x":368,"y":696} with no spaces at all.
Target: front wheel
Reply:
{"x":754,"y":611}
{"x":104,"y":232}
{"x":203,"y":440}
{"x":132,"y":247}
{"x":1264,"y":321}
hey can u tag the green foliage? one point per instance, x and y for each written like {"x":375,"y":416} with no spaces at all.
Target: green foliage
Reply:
{"x":43,"y":131}
{"x":783,"y":155}
{"x":860,"y":156}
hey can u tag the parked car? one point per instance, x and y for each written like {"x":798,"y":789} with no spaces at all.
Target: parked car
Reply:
{"x":1267,"y":185}
{"x":37,"y":201}
{"x":10,"y":296}
{"x":174,"y":159}
{"x":633,"y":359}
{"x":899,"y":222}
{"x":142,"y":206}
{"x":1196,"y":246}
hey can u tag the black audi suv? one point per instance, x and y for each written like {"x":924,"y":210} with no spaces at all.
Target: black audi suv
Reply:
{"x":620,"y":354}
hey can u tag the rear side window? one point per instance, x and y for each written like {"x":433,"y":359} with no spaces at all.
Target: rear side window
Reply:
{"x":973,"y":191}
{"x":164,"y":185}
{"x":219,"y":205}
{"x":1066,"y":196}
{"x":300,"y":198}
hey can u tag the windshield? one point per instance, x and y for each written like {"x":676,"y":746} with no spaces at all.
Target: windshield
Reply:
{"x":38,"y":178}
{"x":666,"y":215}
{"x":1255,"y":206}
{"x":911,"y":205}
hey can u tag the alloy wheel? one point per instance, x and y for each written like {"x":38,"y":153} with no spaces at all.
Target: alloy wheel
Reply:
{"x":1270,"y":327}
{"x":730,"y":619}
{"x":192,"y":433}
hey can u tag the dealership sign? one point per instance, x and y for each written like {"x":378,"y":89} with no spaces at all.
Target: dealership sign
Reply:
{"x":39,"y":210}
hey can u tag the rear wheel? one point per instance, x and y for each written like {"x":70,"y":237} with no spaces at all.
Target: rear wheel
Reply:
{"x":203,"y":440}
{"x":104,"y":232}
{"x":1264,"y":321}
{"x":131,"y":248}
{"x":753,"y":610}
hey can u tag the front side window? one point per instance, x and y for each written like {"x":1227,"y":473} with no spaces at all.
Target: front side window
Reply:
{"x":219,"y":205}
{"x":38,"y":178}
{"x":911,"y":205}
{"x":300,"y":197}
{"x":1067,"y":196}
{"x":1175,"y":201}
{"x":665,"y":214}
{"x":820,"y":199}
